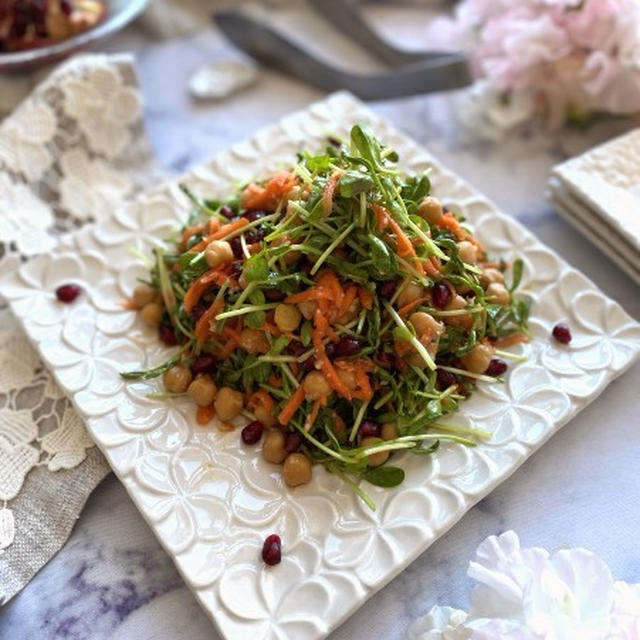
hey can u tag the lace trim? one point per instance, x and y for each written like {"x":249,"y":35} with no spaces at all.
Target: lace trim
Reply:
{"x":68,"y":155}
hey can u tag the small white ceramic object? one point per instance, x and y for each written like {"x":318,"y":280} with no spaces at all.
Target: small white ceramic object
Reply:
{"x":217,"y":80}
{"x":211,"y":500}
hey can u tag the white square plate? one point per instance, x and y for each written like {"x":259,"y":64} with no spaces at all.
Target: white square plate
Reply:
{"x":210,"y":500}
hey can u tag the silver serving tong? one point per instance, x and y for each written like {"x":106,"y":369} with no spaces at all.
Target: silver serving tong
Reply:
{"x":411,"y":72}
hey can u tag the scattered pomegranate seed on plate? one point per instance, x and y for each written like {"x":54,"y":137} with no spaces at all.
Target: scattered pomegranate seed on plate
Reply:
{"x":562,"y":333}
{"x":67,"y":293}
{"x":272,"y":549}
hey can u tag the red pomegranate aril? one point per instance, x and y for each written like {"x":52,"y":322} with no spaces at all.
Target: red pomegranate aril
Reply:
{"x":67,"y":293}
{"x":167,"y":334}
{"x":387,"y":289}
{"x":369,"y":428}
{"x":496,"y":367}
{"x":309,"y":364}
{"x":445,"y":379}
{"x":292,"y":443}
{"x":254,"y":215}
{"x":385,"y":360}
{"x":204,"y":363}
{"x":440,"y":295}
{"x":236,"y":247}
{"x":227,"y":211}
{"x":252,"y":432}
{"x":347,"y":346}
{"x":272,"y":549}
{"x":562,"y":333}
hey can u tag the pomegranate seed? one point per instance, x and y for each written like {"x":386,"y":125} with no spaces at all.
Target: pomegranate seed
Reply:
{"x":236,"y":269}
{"x":67,"y":293}
{"x":204,"y":363}
{"x":293,"y":442}
{"x":254,"y":215}
{"x":272,"y":549}
{"x":387,"y":289}
{"x":369,"y":428}
{"x":440,"y":295}
{"x":66,"y":7}
{"x":330,"y":350}
{"x":227,"y":212}
{"x":347,"y":346}
{"x":255,"y":235}
{"x":198,"y":310}
{"x":562,"y":333}
{"x":496,"y":367}
{"x":445,"y":379}
{"x":236,"y":247}
{"x":273,"y":295}
{"x":167,"y":334}
{"x":309,"y":364}
{"x":252,"y":432}
{"x":385,"y":360}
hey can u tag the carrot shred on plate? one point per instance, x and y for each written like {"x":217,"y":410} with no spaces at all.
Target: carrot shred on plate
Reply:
{"x":292,"y":405}
{"x":508,"y":341}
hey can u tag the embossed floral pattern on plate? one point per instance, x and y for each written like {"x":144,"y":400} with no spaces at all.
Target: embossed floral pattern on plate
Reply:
{"x":211,"y":500}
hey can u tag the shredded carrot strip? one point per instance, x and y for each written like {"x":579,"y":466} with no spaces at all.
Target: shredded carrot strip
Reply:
{"x":226,"y":229}
{"x":198,"y":287}
{"x":349,"y":296}
{"x":270,"y":328}
{"x":292,"y":405}
{"x":267,"y":196}
{"x":327,"y":368}
{"x":366,"y":299}
{"x":432,"y":267}
{"x":313,"y":414}
{"x":205,"y":414}
{"x":228,"y":348}
{"x":329,"y":190}
{"x":204,"y":322}
{"x":129,"y":305}
{"x":214,"y":225}
{"x":403,"y":311}
{"x":508,"y":341}
{"x":359,"y":367}
{"x":188,"y":232}
{"x":448,"y":221}
{"x":382,"y":217}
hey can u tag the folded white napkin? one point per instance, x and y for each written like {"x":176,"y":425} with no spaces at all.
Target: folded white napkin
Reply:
{"x":598,"y":193}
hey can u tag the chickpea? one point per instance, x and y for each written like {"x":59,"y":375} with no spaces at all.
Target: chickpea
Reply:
{"x":375,"y":459}
{"x":143,"y":294}
{"x":498,"y":294}
{"x":273,"y":447}
{"x":308,"y":308}
{"x":468,"y":252}
{"x":297,"y":470}
{"x":348,"y":378}
{"x":457,"y":302}
{"x":265,"y":416}
{"x":202,"y":391}
{"x":389,"y":431}
{"x":316,"y":385}
{"x":228,"y":404}
{"x":177,"y":379}
{"x":491,"y":275}
{"x":425,"y":324}
{"x":478,"y":359}
{"x":409,"y":293}
{"x":287,"y":317}
{"x":152,"y":314}
{"x":431,"y":210}
{"x":218,"y":253}
{"x":254,"y":341}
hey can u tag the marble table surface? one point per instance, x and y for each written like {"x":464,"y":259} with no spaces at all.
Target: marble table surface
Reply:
{"x":113,"y":580}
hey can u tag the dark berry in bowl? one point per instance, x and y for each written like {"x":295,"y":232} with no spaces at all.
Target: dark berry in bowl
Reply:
{"x":562,"y":333}
{"x":67,"y":293}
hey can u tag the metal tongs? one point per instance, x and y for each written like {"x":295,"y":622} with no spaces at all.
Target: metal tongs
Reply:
{"x":410,"y":73}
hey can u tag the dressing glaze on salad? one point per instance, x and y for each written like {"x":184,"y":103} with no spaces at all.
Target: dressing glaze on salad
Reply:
{"x":338,"y":307}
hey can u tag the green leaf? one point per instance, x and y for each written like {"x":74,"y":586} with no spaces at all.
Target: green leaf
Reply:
{"x":317,"y":163}
{"x":416,"y":188}
{"x":385,"y":476}
{"x":366,"y":144}
{"x":305,"y":333}
{"x":353,"y":182}
{"x":256,"y":268}
{"x":518,"y":266}
{"x":383,"y":260}
{"x":255,"y":319}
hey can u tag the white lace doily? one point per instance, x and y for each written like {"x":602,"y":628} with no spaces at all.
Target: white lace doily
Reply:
{"x":69,"y":154}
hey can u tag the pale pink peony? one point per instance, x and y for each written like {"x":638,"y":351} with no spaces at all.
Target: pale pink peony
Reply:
{"x":579,"y":56}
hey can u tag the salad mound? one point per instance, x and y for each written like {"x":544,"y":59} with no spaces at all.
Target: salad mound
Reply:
{"x":338,"y":307}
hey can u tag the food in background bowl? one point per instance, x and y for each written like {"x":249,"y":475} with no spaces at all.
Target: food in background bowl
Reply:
{"x":28,"y":24}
